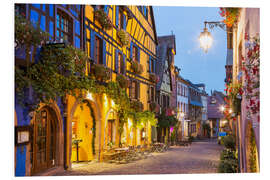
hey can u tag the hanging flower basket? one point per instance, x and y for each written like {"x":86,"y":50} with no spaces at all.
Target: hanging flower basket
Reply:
{"x":101,"y":73}
{"x":154,"y":78}
{"x":137,"y":105}
{"x":103,"y":19}
{"x":124,"y":37}
{"x":236,"y":105}
{"x":122,"y":81}
{"x":136,"y":67}
{"x":230,"y":15}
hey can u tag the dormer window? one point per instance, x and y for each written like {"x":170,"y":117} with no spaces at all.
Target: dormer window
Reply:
{"x":213,"y":101}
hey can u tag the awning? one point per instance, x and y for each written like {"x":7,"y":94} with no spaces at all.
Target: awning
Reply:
{"x":196,"y":103}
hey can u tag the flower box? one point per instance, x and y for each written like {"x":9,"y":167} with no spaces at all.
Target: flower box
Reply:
{"x":101,"y":73}
{"x":137,"y":105}
{"x":122,"y":81}
{"x":136,"y":67}
{"x":103,"y":19}
{"x":154,"y":78}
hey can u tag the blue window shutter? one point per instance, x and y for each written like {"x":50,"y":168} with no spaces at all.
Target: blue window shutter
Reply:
{"x":116,"y":16}
{"x":116,"y":60}
{"x":92,"y":44}
{"x":131,"y":48}
{"x":106,"y":9}
{"x":150,"y":64}
{"x":104,"y":53}
{"x":124,"y":22}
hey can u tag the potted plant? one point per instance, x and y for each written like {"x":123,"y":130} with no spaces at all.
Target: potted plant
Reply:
{"x":230,"y":15}
{"x":122,"y":81}
{"x":103,"y":19}
{"x":124,"y":37}
{"x":136,"y":67}
{"x":101,"y":73}
{"x":235,"y":92}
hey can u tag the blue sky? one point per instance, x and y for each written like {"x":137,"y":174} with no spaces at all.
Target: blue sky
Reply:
{"x":187,"y":24}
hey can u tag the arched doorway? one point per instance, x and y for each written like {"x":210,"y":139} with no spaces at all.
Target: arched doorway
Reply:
{"x":111,"y":136}
{"x":44,"y":140}
{"x":83,"y":133}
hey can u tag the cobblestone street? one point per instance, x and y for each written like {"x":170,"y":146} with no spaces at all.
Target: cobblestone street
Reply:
{"x":200,"y":157}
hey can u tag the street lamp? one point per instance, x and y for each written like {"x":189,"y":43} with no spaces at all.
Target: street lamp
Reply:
{"x":205,"y":37}
{"x":206,"y":40}
{"x":222,"y":108}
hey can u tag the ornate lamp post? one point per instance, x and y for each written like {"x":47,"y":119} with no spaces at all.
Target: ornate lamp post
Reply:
{"x":205,"y":37}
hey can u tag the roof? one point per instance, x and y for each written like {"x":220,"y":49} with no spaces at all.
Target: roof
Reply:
{"x":154,"y":24}
{"x":164,"y":44}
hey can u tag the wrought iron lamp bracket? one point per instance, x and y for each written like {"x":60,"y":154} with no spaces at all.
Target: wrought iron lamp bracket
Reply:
{"x":213,"y":24}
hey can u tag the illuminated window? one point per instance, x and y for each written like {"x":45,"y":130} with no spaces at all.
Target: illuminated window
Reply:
{"x":64,"y":27}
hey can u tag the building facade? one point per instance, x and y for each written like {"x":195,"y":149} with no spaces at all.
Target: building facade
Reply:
{"x":194,"y":110}
{"x":215,"y":114}
{"x":93,"y":121}
{"x":164,"y":90}
{"x":245,"y":48}
{"x":182,"y":105}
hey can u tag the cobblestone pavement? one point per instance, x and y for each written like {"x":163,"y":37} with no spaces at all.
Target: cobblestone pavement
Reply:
{"x":200,"y":157}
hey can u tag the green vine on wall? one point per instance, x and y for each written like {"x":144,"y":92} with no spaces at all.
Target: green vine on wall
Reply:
{"x":94,"y":125}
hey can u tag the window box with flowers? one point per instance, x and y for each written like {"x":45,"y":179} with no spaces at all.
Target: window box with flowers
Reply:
{"x":137,"y":105}
{"x":122,"y":81}
{"x":101,"y":73}
{"x":153,"y":77}
{"x":230,"y":15}
{"x":103,"y":19}
{"x":136,"y":67}
{"x":124,"y":37}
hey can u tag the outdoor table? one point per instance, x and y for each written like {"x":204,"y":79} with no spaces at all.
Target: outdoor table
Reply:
{"x":121,"y":151}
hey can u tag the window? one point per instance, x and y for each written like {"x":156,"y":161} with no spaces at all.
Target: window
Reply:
{"x":135,"y":53}
{"x":134,"y":90}
{"x":98,"y":50}
{"x":64,"y":27}
{"x":121,"y":19}
{"x":163,"y":101}
{"x":151,"y":63}
{"x":152,"y":94}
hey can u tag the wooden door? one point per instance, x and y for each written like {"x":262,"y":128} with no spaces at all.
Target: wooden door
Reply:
{"x":44,"y":141}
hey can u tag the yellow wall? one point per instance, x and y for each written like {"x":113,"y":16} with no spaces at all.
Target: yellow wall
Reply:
{"x":101,"y":103}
